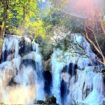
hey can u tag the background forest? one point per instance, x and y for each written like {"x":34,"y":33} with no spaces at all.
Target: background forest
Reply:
{"x":49,"y":21}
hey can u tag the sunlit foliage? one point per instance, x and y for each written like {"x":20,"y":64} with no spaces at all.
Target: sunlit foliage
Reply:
{"x":21,"y":17}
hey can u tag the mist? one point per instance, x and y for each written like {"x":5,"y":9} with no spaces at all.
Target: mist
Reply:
{"x":84,"y":8}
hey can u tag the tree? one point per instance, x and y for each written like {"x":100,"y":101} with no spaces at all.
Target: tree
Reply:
{"x":98,"y":34}
{"x":5,"y":5}
{"x":19,"y":16}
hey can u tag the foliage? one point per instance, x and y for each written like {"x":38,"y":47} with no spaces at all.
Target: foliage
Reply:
{"x":27,"y":17}
{"x":22,"y":17}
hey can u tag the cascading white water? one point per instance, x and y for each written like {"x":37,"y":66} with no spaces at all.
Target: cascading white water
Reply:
{"x":96,"y":96}
{"x":84,"y":85}
{"x":73,"y":74}
{"x":27,"y":71}
{"x":10,"y":48}
{"x":56,"y":69}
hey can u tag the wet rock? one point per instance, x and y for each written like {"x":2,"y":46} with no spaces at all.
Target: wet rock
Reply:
{"x":12,"y":82}
{"x":47,"y":64}
{"x":51,"y":100}
{"x":25,"y":46}
{"x":27,"y":62}
{"x":63,"y":90}
{"x":48,"y":101}
{"x":39,"y":102}
{"x":47,"y":82}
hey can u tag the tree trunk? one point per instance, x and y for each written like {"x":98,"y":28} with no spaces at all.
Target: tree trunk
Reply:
{"x":5,"y":15}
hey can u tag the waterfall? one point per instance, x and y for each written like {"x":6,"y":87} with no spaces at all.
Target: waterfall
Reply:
{"x":74,"y":78}
{"x":21,"y":70}
{"x":56,"y":69}
{"x":96,"y":96}
{"x":10,"y":48}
